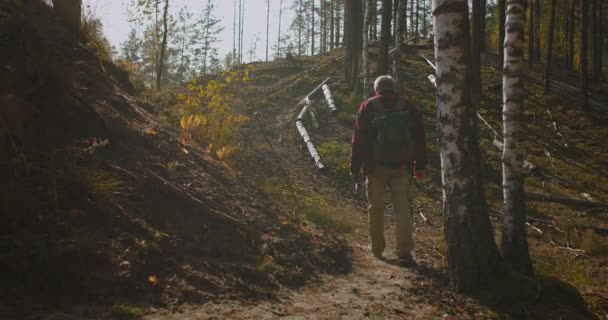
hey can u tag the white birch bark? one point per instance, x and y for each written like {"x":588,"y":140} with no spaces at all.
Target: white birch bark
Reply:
{"x":514,"y":237}
{"x":473,"y":259}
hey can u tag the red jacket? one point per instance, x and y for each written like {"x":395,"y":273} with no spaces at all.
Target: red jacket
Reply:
{"x":364,"y":134}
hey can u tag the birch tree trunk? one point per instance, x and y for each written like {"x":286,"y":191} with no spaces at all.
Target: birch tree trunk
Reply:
{"x":385,"y":37}
{"x":70,"y":11}
{"x":472,"y":257}
{"x":584,"y":103}
{"x":514,"y":237}
{"x":549,"y":53}
{"x":365,"y":52}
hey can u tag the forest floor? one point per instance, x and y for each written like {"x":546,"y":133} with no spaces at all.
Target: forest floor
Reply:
{"x":378,"y":289}
{"x":109,"y":213}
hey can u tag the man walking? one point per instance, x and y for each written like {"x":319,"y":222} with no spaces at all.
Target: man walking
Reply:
{"x":388,"y":146}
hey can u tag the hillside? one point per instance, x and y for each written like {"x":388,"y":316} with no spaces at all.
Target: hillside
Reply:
{"x":110,"y":213}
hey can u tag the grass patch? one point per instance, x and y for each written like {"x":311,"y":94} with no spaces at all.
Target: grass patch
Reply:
{"x":325,"y":219}
{"x":126,"y":312}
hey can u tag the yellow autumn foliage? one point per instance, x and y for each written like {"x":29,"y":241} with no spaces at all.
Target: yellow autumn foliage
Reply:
{"x":207,"y":111}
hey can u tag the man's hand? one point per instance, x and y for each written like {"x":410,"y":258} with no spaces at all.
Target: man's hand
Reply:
{"x":419,"y":174}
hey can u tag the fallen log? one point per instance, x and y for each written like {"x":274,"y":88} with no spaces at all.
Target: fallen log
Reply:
{"x":316,"y":89}
{"x":302,"y":115}
{"x":309,"y":145}
{"x":546,"y":197}
{"x":560,"y":86}
{"x":331,"y":104}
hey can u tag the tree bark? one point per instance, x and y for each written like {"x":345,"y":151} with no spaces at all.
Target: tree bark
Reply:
{"x":267,"y":25}
{"x":385,"y":37}
{"x":353,"y":29}
{"x":163,"y":47}
{"x":279,"y":37}
{"x":331,"y":25}
{"x":596,"y":21}
{"x":584,"y":102}
{"x":339,"y":41}
{"x":477,"y":32}
{"x":482,"y":39}
{"x":601,"y":39}
{"x":69,"y":11}
{"x":514,"y":237}
{"x":537,"y":31}
{"x":570,"y":62}
{"x":412,"y":32}
{"x":472,"y":257}
{"x":531,"y":22}
{"x":549,"y":52}
{"x":416,"y":25}
{"x":501,"y":28}
{"x":400,"y":38}
{"x":365,"y":51}
{"x":312,"y":28}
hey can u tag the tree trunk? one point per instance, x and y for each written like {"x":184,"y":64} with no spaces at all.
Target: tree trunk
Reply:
{"x":234,"y":33}
{"x":537,"y":31}
{"x":570,"y":62}
{"x":374,"y":22}
{"x":395,"y":13}
{"x":385,"y":37}
{"x":601,"y":40}
{"x":163,"y":47}
{"x":301,"y":13}
{"x":366,"y":36}
{"x":416,"y":25}
{"x":584,"y":103}
{"x":501,"y":28}
{"x":514,"y":237}
{"x":267,"y":25}
{"x":279,"y":37}
{"x":477,"y":32}
{"x":549,"y":52}
{"x":339,"y":40}
{"x":403,"y":26}
{"x":472,"y":257}
{"x":400,"y":38}
{"x":531,"y":22}
{"x":69,"y":11}
{"x":482,"y":38}
{"x":353,"y":29}
{"x":331,"y":25}
{"x":412,"y":32}
{"x":312,"y":28}
{"x":595,"y":24}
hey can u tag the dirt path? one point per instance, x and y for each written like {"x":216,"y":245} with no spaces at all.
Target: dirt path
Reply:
{"x":374,"y":289}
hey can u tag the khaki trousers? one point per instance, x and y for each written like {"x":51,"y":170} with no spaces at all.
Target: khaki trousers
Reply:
{"x":398,"y":181}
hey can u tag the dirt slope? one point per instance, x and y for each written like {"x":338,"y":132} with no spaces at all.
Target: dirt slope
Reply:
{"x":105,"y":207}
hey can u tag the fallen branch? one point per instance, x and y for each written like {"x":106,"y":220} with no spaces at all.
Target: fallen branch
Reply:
{"x":423,"y":217}
{"x":534,"y":228}
{"x":195,"y":203}
{"x":545,"y":197}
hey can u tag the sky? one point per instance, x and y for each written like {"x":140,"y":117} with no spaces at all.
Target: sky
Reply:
{"x":116,"y":27}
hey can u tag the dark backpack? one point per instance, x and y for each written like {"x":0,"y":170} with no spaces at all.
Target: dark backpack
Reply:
{"x":394,"y":141}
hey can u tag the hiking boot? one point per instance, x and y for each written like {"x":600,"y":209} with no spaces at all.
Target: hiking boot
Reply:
{"x":406,"y":261}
